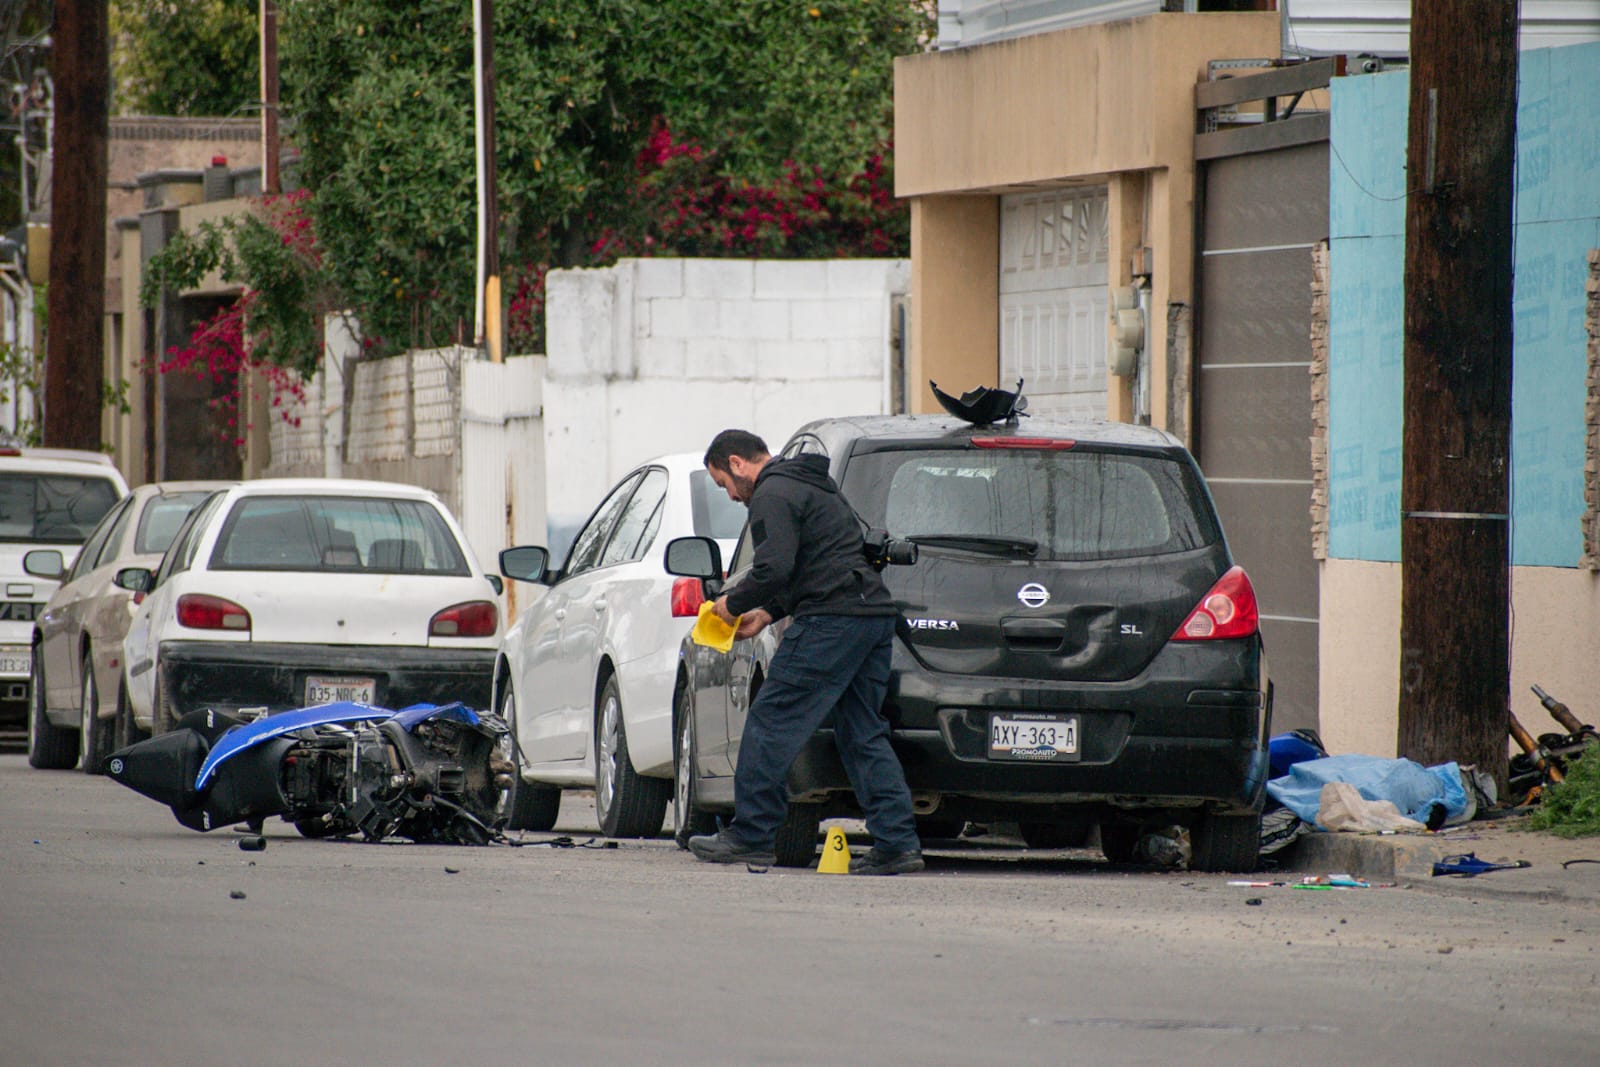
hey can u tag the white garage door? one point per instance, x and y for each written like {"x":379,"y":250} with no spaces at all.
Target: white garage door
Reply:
{"x":1053,"y":299}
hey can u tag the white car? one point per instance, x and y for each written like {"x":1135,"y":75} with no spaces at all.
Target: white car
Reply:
{"x":50,"y":498}
{"x":287,"y":593}
{"x":77,"y":638}
{"x":585,"y":674}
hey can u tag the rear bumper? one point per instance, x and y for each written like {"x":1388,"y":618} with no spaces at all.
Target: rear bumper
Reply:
{"x":1190,"y":732}
{"x":227,"y":676}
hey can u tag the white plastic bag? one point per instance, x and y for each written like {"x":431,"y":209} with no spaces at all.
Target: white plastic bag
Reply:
{"x":1342,"y":807}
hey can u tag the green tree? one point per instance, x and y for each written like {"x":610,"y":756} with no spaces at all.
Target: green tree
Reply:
{"x":381,"y":95}
{"x":185,"y":57}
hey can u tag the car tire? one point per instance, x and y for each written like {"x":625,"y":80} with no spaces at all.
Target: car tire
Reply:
{"x":1119,"y":839}
{"x":50,"y":748}
{"x":1068,"y":833}
{"x":526,"y":806}
{"x":687,"y":818}
{"x":626,"y":803}
{"x":1225,"y":843}
{"x":95,"y":736}
{"x":128,"y":732}
{"x":162,"y":716}
{"x":796,"y":843}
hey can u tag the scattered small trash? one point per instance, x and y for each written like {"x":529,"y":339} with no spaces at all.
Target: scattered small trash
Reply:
{"x":1568,"y":863}
{"x":1254,"y":902}
{"x":1468,"y":865}
{"x":199,"y":863}
{"x":253,"y":844}
{"x":753,"y":869}
{"x":452,"y":870}
{"x":1167,"y":847}
{"x":237,"y":894}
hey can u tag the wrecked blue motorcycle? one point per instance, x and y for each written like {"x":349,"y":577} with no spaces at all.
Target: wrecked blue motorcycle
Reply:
{"x":431,"y":774}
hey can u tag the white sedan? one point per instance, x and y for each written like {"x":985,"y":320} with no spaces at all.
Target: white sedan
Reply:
{"x":286,"y":593}
{"x":585,"y":674}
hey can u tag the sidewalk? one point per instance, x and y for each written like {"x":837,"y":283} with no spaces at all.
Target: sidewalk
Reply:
{"x":1409,"y":859}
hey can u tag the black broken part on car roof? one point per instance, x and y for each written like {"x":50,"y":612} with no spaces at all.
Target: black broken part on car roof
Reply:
{"x":954,"y":431}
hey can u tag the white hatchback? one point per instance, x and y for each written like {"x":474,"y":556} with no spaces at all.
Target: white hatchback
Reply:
{"x":585,"y":674}
{"x":287,"y":593}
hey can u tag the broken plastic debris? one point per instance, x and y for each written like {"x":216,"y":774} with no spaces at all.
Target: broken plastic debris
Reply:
{"x":1468,"y":865}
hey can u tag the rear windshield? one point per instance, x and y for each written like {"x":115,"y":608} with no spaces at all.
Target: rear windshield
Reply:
{"x":714,"y":514}
{"x":161,"y":519}
{"x":337,"y":534}
{"x":1043,"y":505}
{"x":55,"y":509}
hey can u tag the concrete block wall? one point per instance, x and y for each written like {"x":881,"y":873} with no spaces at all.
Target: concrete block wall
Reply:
{"x":654,"y":356}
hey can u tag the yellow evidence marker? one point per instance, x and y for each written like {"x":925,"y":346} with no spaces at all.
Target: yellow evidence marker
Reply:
{"x":710,"y":631}
{"x":835,"y":853}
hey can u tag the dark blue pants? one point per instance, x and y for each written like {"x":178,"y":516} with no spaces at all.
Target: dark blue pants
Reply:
{"x":836,"y":664}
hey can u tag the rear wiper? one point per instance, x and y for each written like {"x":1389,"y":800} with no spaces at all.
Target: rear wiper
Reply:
{"x":999,"y":546}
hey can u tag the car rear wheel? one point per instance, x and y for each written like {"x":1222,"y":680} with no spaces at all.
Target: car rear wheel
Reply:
{"x":1225,"y":842}
{"x":526,"y":806}
{"x":128,"y":731}
{"x":162,"y":715}
{"x":94,"y":737}
{"x":626,"y":803}
{"x":687,"y":819}
{"x":50,"y":748}
{"x":796,"y":844}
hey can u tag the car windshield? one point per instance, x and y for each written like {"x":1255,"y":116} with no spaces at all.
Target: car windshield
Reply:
{"x":714,"y":514}
{"x":161,"y":519}
{"x":325,"y":533}
{"x":1034,"y":504}
{"x":57,"y":509}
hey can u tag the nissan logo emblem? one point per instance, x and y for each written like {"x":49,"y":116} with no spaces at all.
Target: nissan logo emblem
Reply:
{"x":1033,"y":595}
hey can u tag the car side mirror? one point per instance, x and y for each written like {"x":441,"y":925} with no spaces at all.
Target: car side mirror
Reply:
{"x":526,"y":563}
{"x":496,"y":583}
{"x":135,"y":579}
{"x":694,"y":557}
{"x":44,"y":563}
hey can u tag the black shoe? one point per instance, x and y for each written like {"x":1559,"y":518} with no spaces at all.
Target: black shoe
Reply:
{"x":877,"y":861}
{"x":720,"y":848}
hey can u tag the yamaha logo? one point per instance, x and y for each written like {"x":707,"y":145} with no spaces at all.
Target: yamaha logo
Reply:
{"x":1033,"y":595}
{"x":116,"y":766}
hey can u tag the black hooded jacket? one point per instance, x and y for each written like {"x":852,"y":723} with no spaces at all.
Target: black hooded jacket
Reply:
{"x":808,"y":554}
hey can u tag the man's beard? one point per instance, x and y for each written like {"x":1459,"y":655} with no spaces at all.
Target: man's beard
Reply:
{"x":745,"y":486}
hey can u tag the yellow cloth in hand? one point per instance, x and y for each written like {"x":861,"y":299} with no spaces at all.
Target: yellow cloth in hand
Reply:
{"x":711,"y":631}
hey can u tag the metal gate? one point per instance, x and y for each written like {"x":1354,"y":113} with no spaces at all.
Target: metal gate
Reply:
{"x":1264,"y":193}
{"x":1053,"y":298}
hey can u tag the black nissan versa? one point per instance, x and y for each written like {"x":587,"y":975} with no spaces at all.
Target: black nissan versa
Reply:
{"x":1077,"y":646}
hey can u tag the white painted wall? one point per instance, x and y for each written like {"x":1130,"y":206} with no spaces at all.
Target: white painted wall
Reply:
{"x":653,"y":356}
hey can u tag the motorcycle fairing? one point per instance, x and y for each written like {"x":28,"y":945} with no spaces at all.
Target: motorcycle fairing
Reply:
{"x":343,"y":711}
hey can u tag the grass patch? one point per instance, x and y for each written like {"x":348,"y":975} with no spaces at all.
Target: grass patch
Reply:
{"x":1571,"y":808}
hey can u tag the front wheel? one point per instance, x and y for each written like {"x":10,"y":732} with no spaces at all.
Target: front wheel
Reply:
{"x":50,"y":748}
{"x":626,"y":803}
{"x":796,"y":844}
{"x":526,"y":806}
{"x":95,"y":736}
{"x":1225,"y":843}
{"x":687,"y":818}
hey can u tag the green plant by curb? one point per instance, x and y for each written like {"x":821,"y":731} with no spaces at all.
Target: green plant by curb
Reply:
{"x":1571,"y":808}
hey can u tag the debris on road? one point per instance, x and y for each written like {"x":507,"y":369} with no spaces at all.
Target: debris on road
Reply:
{"x":1468,"y":865}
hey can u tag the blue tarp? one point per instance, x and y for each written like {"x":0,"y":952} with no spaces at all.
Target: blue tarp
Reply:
{"x":1411,"y":787}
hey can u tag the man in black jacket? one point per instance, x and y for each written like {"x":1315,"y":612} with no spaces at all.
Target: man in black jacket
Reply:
{"x":834,"y":658}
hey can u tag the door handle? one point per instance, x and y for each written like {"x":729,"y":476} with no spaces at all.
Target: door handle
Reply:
{"x":561,"y":613}
{"x":600,"y":607}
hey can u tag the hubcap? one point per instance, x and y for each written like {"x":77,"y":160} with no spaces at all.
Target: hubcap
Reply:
{"x":680,"y":794}
{"x":90,"y":699}
{"x":606,"y":765}
{"x":508,"y":748}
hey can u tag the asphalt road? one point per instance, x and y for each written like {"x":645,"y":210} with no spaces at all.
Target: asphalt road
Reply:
{"x":125,"y":939}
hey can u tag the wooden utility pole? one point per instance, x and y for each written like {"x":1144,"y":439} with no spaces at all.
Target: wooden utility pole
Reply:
{"x":74,"y":353}
{"x":1455,"y":496}
{"x":269,"y":98}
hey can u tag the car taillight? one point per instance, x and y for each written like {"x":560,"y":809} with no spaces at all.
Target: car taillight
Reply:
{"x":1228,"y":610}
{"x":475,"y":618}
{"x":1047,"y":443}
{"x":200,"y":612}
{"x":687,"y":596}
